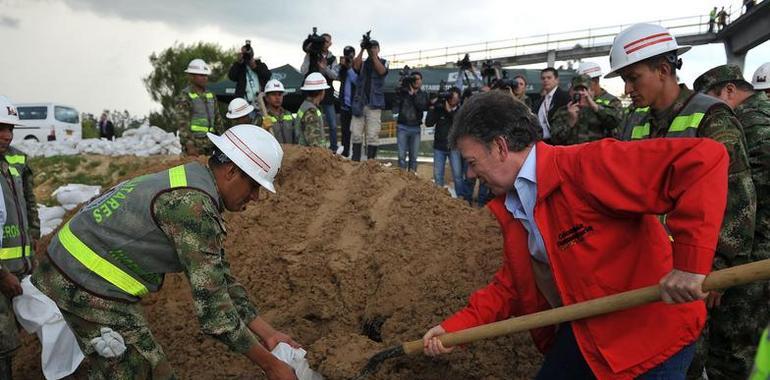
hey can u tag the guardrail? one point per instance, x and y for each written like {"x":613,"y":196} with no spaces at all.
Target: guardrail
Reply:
{"x":585,"y":38}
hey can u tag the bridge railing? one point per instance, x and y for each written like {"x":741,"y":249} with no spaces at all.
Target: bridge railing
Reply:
{"x":585,"y":38}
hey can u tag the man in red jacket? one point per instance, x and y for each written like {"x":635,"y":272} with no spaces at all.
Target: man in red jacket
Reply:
{"x":580,"y":222}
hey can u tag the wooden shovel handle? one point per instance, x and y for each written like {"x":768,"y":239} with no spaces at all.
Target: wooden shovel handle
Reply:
{"x":725,"y":278}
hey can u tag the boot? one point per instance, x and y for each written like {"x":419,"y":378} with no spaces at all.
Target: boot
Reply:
{"x":371,"y":152}
{"x":356,"y":152}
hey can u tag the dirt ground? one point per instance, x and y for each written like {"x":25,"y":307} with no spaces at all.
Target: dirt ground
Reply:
{"x":348,"y":258}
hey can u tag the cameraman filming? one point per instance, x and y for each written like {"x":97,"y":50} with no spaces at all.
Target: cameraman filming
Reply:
{"x":441,"y":115}
{"x":369,"y":98}
{"x":249,"y":74}
{"x":319,"y":59}
{"x":517,"y":87}
{"x":584,"y":118}
{"x":409,"y":105}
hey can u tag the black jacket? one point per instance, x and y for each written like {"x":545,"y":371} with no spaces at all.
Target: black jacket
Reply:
{"x":410,"y":107}
{"x":106,"y":129}
{"x":560,"y":99}
{"x":237,"y":74}
{"x":442,"y":119}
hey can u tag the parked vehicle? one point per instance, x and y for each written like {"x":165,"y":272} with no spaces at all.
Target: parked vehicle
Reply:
{"x":47,"y":122}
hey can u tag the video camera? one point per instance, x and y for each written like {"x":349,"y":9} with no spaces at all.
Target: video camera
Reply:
{"x":314,"y":43}
{"x":505,"y":84}
{"x":366,"y":41}
{"x":406,"y":78}
{"x":489,"y":69}
{"x":248,"y":52}
{"x":465,"y":63}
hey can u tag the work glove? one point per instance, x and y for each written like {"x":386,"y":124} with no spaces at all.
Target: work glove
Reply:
{"x":110,"y":344}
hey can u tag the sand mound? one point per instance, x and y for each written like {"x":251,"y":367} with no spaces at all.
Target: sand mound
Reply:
{"x":349,"y":259}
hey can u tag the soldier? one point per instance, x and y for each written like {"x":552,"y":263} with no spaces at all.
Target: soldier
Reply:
{"x":239,"y":112}
{"x":585,"y":118}
{"x":119,"y":247}
{"x":730,"y":342}
{"x":646,"y":56}
{"x":308,"y":127}
{"x":21,"y":229}
{"x":278,"y":120}
{"x":196,"y":111}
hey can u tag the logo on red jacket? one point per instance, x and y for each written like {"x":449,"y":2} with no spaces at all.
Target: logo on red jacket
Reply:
{"x":573,"y":235}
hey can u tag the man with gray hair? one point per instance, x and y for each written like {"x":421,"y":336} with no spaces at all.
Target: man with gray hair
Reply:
{"x":578,"y":225}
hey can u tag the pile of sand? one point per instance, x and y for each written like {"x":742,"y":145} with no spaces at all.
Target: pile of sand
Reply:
{"x":348,"y":258}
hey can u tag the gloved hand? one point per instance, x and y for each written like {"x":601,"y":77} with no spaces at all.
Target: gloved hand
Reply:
{"x":110,"y":344}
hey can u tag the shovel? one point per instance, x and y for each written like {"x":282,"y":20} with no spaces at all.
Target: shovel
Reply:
{"x":722,"y":279}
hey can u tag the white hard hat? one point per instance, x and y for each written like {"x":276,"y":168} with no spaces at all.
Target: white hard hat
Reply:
{"x":639,"y":42}
{"x":8,"y":113}
{"x":254,"y":150}
{"x":760,"y":79}
{"x":198,"y":66}
{"x":238,"y":107}
{"x":313,"y":82}
{"x":591,"y":69}
{"x":274,"y":85}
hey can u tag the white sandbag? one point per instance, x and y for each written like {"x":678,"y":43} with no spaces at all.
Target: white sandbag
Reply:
{"x":46,"y":213}
{"x":295,"y":358}
{"x":69,"y":196}
{"x":38,"y":314}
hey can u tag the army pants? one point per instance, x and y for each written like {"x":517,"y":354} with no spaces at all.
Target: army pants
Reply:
{"x":9,"y":336}
{"x":728,"y":344}
{"x":86,"y":314}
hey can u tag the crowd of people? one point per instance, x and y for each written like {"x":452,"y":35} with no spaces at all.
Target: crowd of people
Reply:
{"x":593,"y":199}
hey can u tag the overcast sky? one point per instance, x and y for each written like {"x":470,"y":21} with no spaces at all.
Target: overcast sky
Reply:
{"x":93,"y":54}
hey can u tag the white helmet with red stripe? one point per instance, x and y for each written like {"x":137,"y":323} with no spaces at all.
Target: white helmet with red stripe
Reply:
{"x":254,"y":150}
{"x":591,"y":69}
{"x":314,"y":82}
{"x":238,"y":107}
{"x":639,"y":42}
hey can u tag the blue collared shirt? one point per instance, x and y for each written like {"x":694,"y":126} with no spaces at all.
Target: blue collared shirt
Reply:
{"x":520,"y":202}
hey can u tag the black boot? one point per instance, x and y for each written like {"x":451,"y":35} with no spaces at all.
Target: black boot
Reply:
{"x":371,"y":152}
{"x":356,"y":152}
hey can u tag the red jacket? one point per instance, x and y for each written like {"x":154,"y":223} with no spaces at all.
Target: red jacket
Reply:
{"x":596,"y":206}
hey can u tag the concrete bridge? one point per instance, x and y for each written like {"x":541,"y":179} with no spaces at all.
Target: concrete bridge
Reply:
{"x":739,"y":36}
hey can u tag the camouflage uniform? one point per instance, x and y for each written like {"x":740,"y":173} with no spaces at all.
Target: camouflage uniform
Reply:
{"x":193,"y":225}
{"x":25,"y":233}
{"x":591,"y":125}
{"x":196,"y":143}
{"x":309,"y":126}
{"x":280,"y":124}
{"x":730,"y":344}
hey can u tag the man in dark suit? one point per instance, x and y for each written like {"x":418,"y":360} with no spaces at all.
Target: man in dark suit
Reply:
{"x":551,"y":99}
{"x":106,"y":128}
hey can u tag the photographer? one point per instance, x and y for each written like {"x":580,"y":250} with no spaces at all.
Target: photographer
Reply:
{"x":249,"y":74}
{"x":347,"y":77}
{"x":409,"y":105}
{"x":517,"y":87}
{"x":583,"y":119}
{"x":441,"y":115}
{"x":369,"y":99}
{"x":319,"y":59}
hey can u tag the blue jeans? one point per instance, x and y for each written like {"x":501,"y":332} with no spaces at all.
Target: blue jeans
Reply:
{"x":565,"y":361}
{"x":330,"y":118}
{"x":408,"y":138}
{"x":455,"y":162}
{"x":484,"y":195}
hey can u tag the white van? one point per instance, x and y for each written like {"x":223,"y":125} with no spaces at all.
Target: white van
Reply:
{"x":47,"y":122}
